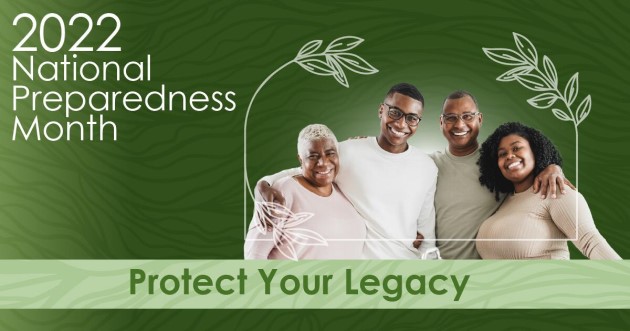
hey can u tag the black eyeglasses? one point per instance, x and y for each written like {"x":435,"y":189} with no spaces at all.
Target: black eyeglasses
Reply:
{"x":395,"y":114}
{"x":466,"y":117}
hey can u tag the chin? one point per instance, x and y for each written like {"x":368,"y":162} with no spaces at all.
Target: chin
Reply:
{"x":514,"y":179}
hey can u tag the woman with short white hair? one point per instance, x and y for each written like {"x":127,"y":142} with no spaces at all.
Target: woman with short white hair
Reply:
{"x":317,"y":221}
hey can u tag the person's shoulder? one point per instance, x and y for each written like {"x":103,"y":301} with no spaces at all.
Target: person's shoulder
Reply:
{"x":437,"y":156}
{"x":355,"y":141}
{"x":569,"y":198}
{"x":285,"y":183}
{"x":570,"y":193}
{"x":290,"y":189}
{"x":353,"y":146}
{"x":423,"y":159}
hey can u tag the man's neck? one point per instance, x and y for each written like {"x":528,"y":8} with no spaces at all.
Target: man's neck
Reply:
{"x":394,"y":149}
{"x":463,"y":151}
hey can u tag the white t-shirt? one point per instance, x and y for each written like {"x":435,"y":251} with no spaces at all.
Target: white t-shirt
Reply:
{"x":394,"y":192}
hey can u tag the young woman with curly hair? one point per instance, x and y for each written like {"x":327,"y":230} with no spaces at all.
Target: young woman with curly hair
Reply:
{"x":526,"y":227}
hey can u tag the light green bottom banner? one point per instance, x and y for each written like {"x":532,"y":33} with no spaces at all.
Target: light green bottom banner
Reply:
{"x":228,"y":284}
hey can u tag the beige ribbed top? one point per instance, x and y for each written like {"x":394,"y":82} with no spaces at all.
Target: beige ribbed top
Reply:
{"x":535,"y":223}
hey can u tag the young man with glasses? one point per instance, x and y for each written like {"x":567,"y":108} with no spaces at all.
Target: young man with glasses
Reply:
{"x":389,"y":182}
{"x":461,"y":203}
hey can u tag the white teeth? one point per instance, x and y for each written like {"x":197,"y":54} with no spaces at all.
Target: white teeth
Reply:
{"x":513,"y":165}
{"x":460,"y":133}
{"x":397,"y":133}
{"x":323,"y":173}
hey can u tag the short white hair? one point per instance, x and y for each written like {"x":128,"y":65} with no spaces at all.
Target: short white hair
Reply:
{"x":314,"y":132}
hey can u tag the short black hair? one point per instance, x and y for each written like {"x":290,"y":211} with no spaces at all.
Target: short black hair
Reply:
{"x":545,"y":154}
{"x":408,"y":90}
{"x":460,"y":94}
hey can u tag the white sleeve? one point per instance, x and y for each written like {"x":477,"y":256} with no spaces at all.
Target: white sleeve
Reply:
{"x":284,"y":173}
{"x":426,"y":220}
{"x":258,"y":244}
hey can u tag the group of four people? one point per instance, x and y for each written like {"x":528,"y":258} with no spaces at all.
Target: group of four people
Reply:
{"x":381,"y":198}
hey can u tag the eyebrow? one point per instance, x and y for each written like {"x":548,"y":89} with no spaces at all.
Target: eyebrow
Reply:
{"x":454,"y":114}
{"x":395,"y":107}
{"x":514,"y":142}
{"x":325,"y":151}
{"x":407,"y":114}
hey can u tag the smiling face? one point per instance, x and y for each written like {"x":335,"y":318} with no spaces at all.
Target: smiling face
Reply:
{"x":320,"y":163}
{"x":395,"y":133}
{"x":461,"y":135}
{"x":516,"y":161}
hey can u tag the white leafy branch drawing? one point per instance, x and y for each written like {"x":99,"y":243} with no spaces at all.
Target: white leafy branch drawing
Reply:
{"x":332,"y":60}
{"x":542,"y":77}
{"x":284,"y":226}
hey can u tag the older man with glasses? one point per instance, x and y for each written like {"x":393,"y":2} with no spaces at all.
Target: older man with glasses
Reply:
{"x":389,"y":182}
{"x":461,"y":203}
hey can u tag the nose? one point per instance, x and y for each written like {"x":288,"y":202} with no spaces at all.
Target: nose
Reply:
{"x":401,"y":122}
{"x":459,"y":122}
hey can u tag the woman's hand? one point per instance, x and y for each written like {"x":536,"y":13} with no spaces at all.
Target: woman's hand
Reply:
{"x":551,"y":180}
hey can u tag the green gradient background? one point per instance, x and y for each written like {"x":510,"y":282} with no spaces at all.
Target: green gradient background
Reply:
{"x":171,"y":187}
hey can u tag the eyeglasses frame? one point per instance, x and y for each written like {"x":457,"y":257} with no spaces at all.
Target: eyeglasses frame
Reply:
{"x":390,"y":108}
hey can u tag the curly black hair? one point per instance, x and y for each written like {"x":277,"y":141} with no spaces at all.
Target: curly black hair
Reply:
{"x":545,"y":154}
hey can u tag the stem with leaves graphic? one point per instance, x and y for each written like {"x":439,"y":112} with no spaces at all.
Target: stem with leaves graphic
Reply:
{"x":329,"y":62}
{"x":532,"y":76}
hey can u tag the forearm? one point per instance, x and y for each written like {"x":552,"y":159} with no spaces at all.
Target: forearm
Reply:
{"x":595,"y":247}
{"x":258,"y":244}
{"x":577,"y":223}
{"x":270,"y":179}
{"x":426,"y":220}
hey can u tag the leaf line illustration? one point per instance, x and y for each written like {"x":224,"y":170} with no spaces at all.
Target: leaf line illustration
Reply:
{"x":284,"y":225}
{"x":334,"y":60}
{"x":532,"y":76}
{"x":528,"y":71}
